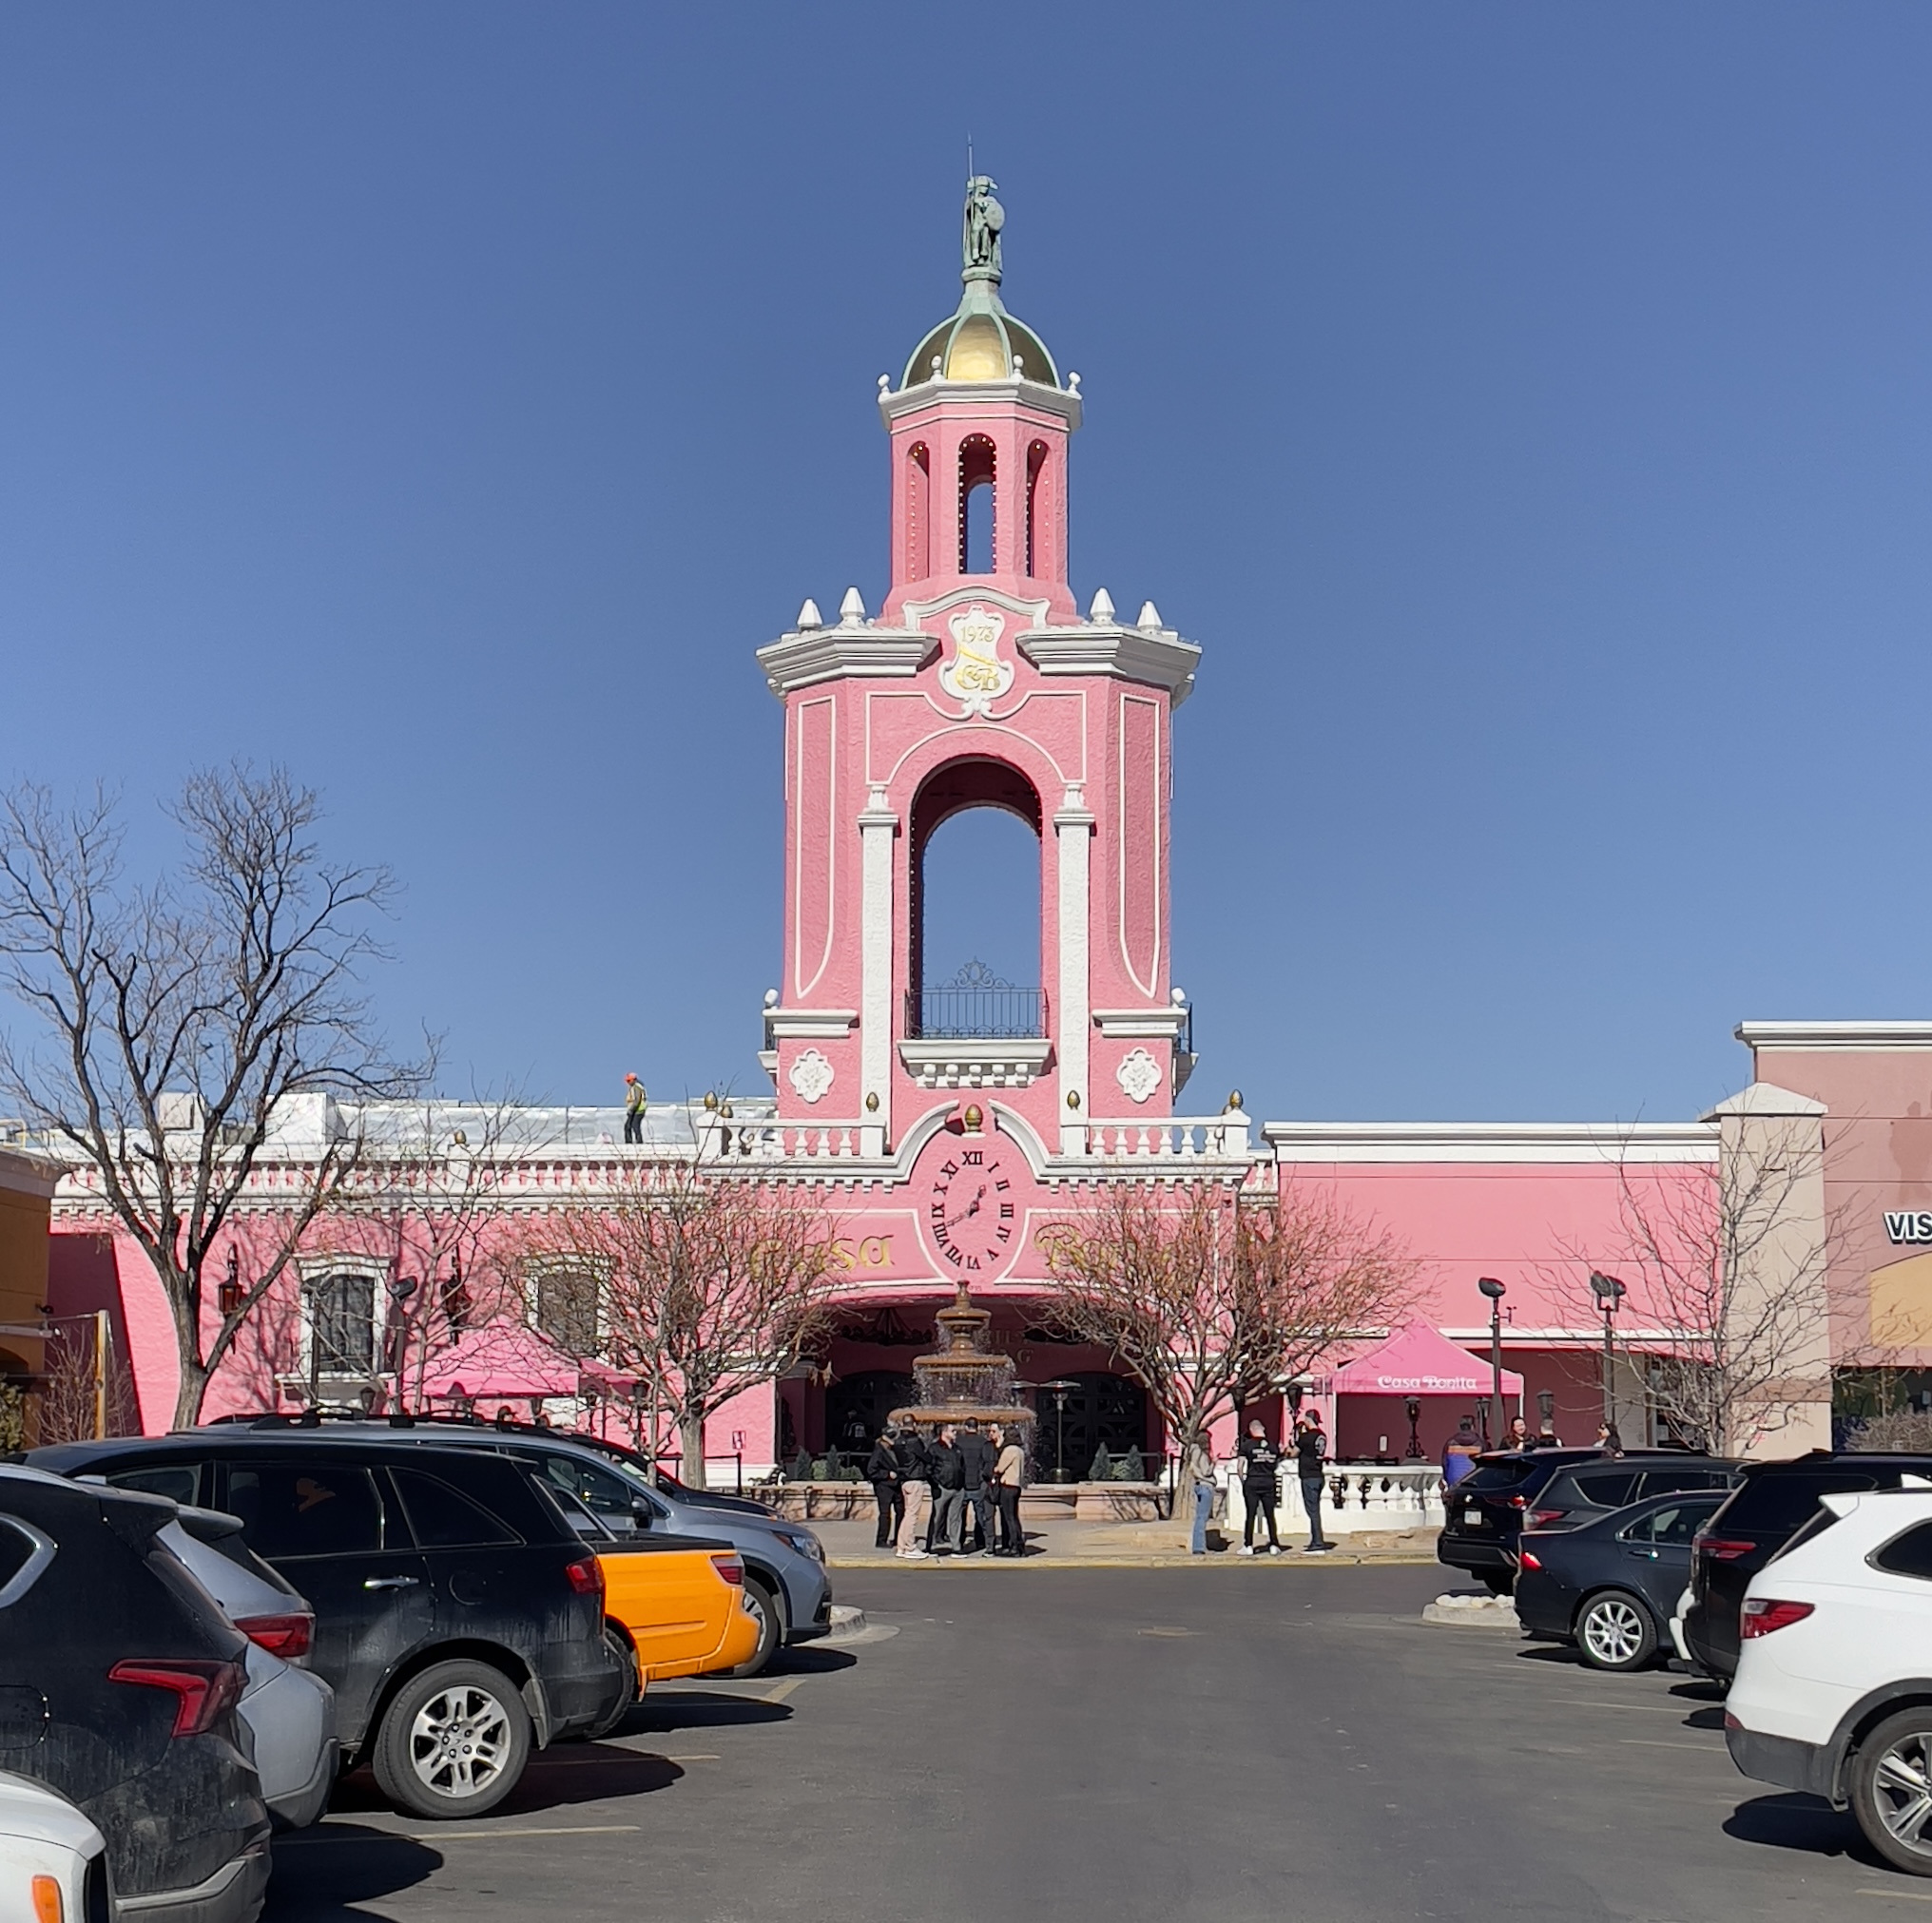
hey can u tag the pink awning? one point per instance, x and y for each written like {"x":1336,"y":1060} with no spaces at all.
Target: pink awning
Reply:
{"x":500,"y":1360}
{"x":1419,"y":1361}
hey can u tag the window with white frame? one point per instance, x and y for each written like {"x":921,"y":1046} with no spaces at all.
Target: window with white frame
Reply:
{"x":565,"y":1304}
{"x":343,"y":1322}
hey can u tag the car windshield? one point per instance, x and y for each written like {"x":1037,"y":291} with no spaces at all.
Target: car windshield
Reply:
{"x":1777,"y":1501}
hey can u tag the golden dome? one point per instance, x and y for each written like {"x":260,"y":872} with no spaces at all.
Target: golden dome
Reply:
{"x":980,"y":342}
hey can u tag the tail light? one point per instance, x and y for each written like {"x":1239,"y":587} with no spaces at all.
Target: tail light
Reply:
{"x":586,"y":1576}
{"x":731,"y":1569}
{"x":1723,"y":1549}
{"x":1519,"y":1502}
{"x":1527,"y":1557}
{"x":285,"y":1636}
{"x":1542,"y":1518}
{"x":203,"y":1692}
{"x":1762,"y":1615}
{"x":47,"y":1907}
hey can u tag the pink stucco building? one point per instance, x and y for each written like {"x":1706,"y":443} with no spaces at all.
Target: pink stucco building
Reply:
{"x":947,"y":1120}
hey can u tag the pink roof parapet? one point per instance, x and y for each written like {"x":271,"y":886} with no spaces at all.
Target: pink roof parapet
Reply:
{"x":1419,"y":1361}
{"x":500,"y":1360}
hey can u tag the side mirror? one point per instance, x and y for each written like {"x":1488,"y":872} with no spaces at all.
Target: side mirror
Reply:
{"x":641,"y":1514}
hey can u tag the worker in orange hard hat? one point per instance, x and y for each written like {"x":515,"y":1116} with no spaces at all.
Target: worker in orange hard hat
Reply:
{"x":634,"y":1104}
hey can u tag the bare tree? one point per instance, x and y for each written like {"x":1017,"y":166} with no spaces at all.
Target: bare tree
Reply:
{"x":73,"y":1399}
{"x":1733,"y":1276}
{"x":703,"y":1282}
{"x":1209,"y":1300}
{"x":178,"y":1019}
{"x":421,"y":1203}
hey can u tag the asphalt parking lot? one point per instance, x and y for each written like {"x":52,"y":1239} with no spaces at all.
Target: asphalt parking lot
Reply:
{"x":1226,"y":1742}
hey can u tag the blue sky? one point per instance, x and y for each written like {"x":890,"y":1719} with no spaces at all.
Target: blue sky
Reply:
{"x":1529,"y":407}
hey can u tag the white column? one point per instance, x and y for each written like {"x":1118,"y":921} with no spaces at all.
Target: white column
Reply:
{"x":1073,"y":830}
{"x":878,"y":824}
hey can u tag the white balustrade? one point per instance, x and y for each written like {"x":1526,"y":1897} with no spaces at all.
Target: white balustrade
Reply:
{"x":1357,"y":1497}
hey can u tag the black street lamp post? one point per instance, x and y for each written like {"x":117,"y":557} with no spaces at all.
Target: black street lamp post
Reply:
{"x":1495,"y":1291}
{"x":1059,"y":1392}
{"x":1413,"y":1408}
{"x":1609,"y":1293}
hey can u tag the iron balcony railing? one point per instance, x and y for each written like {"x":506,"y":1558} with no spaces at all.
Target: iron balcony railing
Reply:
{"x":978,"y":1012}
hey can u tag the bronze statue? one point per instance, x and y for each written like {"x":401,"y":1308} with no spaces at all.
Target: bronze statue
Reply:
{"x":985,"y":216}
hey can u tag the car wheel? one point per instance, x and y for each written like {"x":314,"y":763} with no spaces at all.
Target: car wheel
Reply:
{"x":1891,"y":1790}
{"x":764,"y":1605}
{"x":627,"y":1658}
{"x":1615,"y":1631}
{"x":1497,"y":1582}
{"x":453,"y":1740}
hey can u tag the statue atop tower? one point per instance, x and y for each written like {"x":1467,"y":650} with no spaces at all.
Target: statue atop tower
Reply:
{"x":985,"y":216}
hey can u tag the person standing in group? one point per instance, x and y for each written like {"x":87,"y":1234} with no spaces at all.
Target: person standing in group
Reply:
{"x":635,"y":1102}
{"x":948,"y":1491}
{"x":1517,"y":1436}
{"x":976,"y":1465}
{"x":883,"y":1471}
{"x":1460,"y":1452}
{"x":1009,"y":1478}
{"x":916,"y":1485}
{"x":1261,"y":1486}
{"x":1197,"y":1474}
{"x":1608,"y":1440}
{"x":1312,"y":1453}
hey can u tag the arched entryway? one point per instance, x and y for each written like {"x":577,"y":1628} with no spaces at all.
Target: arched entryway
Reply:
{"x":1102,"y":1412}
{"x":856,"y":1407}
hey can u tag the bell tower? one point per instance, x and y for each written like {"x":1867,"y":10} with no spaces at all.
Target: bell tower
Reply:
{"x":977,"y":685}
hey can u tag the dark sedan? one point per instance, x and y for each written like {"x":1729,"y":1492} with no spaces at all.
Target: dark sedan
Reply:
{"x":1609,"y":1585}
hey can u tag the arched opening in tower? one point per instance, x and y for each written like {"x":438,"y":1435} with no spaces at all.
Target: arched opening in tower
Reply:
{"x":978,"y":465}
{"x":977,"y":964}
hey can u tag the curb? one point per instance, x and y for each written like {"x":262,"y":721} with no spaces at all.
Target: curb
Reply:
{"x":848,"y":1623}
{"x":1473,"y":1612}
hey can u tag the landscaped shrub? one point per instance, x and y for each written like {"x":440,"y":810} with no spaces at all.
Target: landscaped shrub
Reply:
{"x":1101,"y":1469}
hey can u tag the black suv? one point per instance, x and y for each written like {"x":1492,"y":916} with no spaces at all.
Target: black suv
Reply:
{"x":1771,"y":1503}
{"x":1548,"y":1488}
{"x":119,"y":1682}
{"x":459,"y":1617}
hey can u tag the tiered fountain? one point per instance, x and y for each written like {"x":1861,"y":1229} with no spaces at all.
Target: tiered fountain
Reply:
{"x":965,"y":1378}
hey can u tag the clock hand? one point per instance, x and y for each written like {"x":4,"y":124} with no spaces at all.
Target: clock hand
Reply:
{"x":971,"y":1208}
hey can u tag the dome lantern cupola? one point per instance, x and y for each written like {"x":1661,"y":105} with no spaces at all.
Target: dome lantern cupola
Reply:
{"x":980,"y":422}
{"x":980,"y":341}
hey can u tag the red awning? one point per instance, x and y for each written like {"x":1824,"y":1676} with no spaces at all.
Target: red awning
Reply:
{"x":1419,"y":1361}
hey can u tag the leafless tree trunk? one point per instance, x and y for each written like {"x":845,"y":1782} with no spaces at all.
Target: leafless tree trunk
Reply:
{"x":1209,"y":1299}
{"x":1734,"y":1275}
{"x":709,"y":1282}
{"x":176,"y":1020}
{"x":68,"y":1389}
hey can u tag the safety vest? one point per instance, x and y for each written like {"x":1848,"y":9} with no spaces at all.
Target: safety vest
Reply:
{"x":634,"y":1098}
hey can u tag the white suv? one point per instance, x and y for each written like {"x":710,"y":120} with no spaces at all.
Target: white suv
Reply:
{"x":1833,"y":1692}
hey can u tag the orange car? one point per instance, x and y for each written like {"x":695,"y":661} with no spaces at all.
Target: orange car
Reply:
{"x":677,"y":1606}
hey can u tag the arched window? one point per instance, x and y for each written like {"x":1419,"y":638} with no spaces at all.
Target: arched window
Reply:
{"x":342,"y":1323}
{"x":565,"y":1304}
{"x":919,"y":511}
{"x":976,"y":904}
{"x":1036,"y":504}
{"x":977,"y":463}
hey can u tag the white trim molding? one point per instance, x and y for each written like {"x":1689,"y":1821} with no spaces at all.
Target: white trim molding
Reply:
{"x":1837,"y":1037}
{"x":1501,"y":1141}
{"x":1131,"y":1025}
{"x":1156,"y":656}
{"x":972,"y":1063}
{"x":809,"y":1025}
{"x":819,"y":654}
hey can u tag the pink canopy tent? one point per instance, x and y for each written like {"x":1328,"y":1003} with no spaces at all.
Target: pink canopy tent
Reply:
{"x":500,"y":1360}
{"x":1420,"y":1360}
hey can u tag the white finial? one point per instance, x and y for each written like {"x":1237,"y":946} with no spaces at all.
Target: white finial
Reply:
{"x":1150,"y":615}
{"x":1178,"y":996}
{"x":771,"y":998}
{"x":935,"y":367}
{"x":1072,"y":383}
{"x":1101,"y":609}
{"x":809,"y":615}
{"x":1018,"y":371}
{"x":884,"y":382}
{"x":852,"y":610}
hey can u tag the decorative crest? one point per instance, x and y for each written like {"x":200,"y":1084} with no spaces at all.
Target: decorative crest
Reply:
{"x":977,"y":675}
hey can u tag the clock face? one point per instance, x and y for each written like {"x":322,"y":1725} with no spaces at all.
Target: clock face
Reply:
{"x":970,"y":1190}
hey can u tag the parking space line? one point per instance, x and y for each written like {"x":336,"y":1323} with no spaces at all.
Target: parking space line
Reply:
{"x":1651,"y":1708}
{"x":1647,"y":1742}
{"x":481,"y":1835}
{"x":1903,"y":1896}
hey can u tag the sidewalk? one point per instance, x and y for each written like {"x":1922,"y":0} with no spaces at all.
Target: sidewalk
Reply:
{"x":1068,"y":1545}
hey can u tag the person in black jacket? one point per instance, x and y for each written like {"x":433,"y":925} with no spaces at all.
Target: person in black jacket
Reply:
{"x":884,"y":1473}
{"x":1311,"y":1452}
{"x":977,"y":1457}
{"x":1261,"y":1486}
{"x":948,"y":1490}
